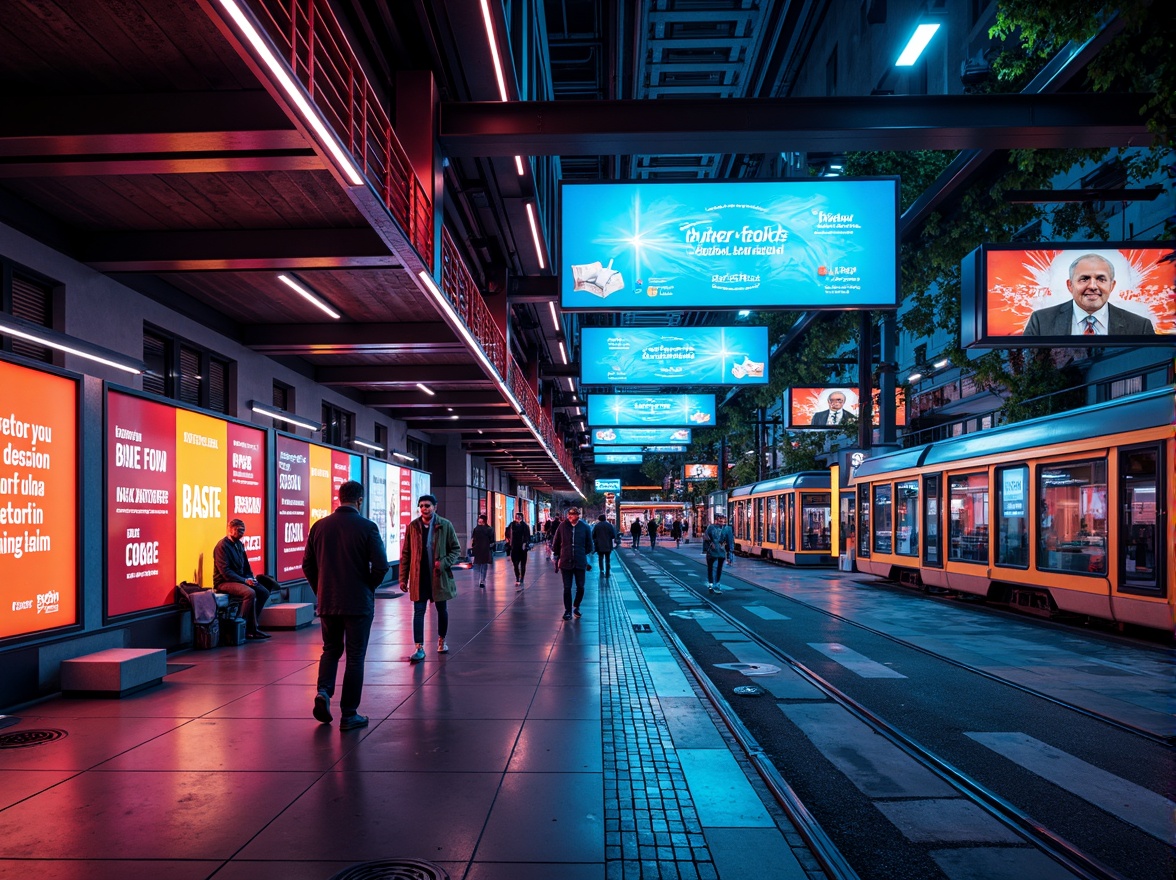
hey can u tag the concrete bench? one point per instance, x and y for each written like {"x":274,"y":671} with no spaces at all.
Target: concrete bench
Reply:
{"x":114,"y":672}
{"x":287,"y":615}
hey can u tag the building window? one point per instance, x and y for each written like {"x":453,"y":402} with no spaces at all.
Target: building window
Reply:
{"x":184,"y":371}
{"x":25,"y":296}
{"x":338,"y":425}
{"x":283,"y":399}
{"x":417,"y":450}
{"x":381,"y":440}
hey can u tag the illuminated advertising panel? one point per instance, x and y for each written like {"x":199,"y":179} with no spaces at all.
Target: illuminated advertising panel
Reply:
{"x":376,"y":493}
{"x":698,"y":472}
{"x":678,"y":410}
{"x":608,"y":485}
{"x":787,"y":244}
{"x":639,"y":436}
{"x":174,"y":478}
{"x":674,"y":355}
{"x":309,"y":477}
{"x":826,"y":407}
{"x":615,"y":458}
{"x":38,"y":500}
{"x":1041,"y":297}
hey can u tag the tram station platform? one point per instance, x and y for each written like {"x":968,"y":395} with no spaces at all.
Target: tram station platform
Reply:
{"x":537,"y":748}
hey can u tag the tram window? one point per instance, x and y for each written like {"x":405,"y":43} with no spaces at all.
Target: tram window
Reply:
{"x":883,"y":519}
{"x":758,"y":537}
{"x":815,"y":514}
{"x":1073,"y":517}
{"x":790,"y":522}
{"x":1012,"y":525}
{"x":968,"y":512}
{"x":863,"y":535}
{"x":773,"y":514}
{"x":1139,"y":472}
{"x":932,"y":544}
{"x":906,"y":518}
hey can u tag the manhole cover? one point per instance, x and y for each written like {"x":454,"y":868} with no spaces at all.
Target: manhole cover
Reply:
{"x":750,"y":668}
{"x":393,"y":869}
{"x":23,"y":739}
{"x":749,"y":690}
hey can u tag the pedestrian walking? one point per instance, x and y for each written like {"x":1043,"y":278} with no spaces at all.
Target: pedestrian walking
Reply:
{"x":344,"y":561}
{"x":651,"y":529}
{"x":716,"y":544}
{"x":676,"y":532}
{"x":518,"y":539}
{"x":635,"y":531}
{"x":482,"y":545}
{"x":604,"y":538}
{"x":572,"y":548}
{"x":427,"y":556}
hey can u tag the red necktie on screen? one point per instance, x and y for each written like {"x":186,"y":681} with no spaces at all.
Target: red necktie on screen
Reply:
{"x":1089,"y":330}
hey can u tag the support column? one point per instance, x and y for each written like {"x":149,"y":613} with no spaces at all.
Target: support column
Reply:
{"x":865,"y":381}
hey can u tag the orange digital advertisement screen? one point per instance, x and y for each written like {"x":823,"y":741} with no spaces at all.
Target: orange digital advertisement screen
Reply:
{"x":38,"y":500}
{"x":831,"y":407}
{"x":1109,"y":293}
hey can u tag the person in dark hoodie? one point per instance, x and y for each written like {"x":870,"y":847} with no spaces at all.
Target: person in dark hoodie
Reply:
{"x":604,"y":537}
{"x":572,"y":548}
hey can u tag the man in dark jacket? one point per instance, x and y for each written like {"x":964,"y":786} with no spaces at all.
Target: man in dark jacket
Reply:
{"x":635,"y":532}
{"x":572,"y":548}
{"x":232,"y":574}
{"x":676,"y":532}
{"x":518,"y":538}
{"x":344,"y":561}
{"x":481,"y":541}
{"x":604,"y":537}
{"x":651,"y":530}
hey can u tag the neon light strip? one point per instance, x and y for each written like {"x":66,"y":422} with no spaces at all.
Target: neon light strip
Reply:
{"x":60,"y":346}
{"x":308,"y":295}
{"x":535,"y":235}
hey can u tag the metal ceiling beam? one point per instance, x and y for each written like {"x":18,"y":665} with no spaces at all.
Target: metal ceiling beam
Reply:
{"x":418,"y":399}
{"x":377,"y":374}
{"x":760,"y":125}
{"x":324,"y":339}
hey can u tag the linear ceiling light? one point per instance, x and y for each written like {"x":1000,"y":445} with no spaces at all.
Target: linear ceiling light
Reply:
{"x":403,"y":456}
{"x":535,"y":235}
{"x":307,"y":294}
{"x":554,"y":319}
{"x":918,"y":42}
{"x":367,"y":444}
{"x":425,"y":388}
{"x":11,"y":326}
{"x":519,"y":166}
{"x":281,"y":415}
{"x":563,"y":352}
{"x":494,"y":50}
{"x":570,"y":386}
{"x":262,"y":48}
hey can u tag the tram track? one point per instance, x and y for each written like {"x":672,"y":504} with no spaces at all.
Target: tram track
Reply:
{"x":1070,"y":856}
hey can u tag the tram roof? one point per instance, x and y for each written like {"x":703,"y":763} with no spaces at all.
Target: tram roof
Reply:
{"x":800,"y":480}
{"x":1150,"y":409}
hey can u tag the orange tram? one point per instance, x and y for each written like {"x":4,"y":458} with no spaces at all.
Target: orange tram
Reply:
{"x":1067,"y":513}
{"x":787,"y":519}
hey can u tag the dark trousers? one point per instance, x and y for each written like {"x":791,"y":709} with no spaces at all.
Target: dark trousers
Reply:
{"x":568,"y":574}
{"x":652,"y":540}
{"x":520,"y":565}
{"x":418,"y":620}
{"x":253,"y":599}
{"x":714,"y":570}
{"x":344,"y":632}
{"x":604,"y":562}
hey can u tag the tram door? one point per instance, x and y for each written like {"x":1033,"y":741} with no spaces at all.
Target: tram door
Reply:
{"x":847,"y":532}
{"x":1140,"y":490}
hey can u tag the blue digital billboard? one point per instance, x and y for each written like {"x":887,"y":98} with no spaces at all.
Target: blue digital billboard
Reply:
{"x":638,"y":436}
{"x":655,"y":409}
{"x":615,"y":458}
{"x":647,"y":449}
{"x":674,"y":355}
{"x":613,"y":485}
{"x":813,"y":243}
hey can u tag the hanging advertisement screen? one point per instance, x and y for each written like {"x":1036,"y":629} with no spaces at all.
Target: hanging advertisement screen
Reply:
{"x":668,"y":410}
{"x":639,"y":436}
{"x":826,"y":407}
{"x":308,"y":480}
{"x":618,"y":458}
{"x":674,"y":355}
{"x":811,"y":243}
{"x":1041,"y":297}
{"x":38,"y":500}
{"x":608,"y":485}
{"x":698,"y":472}
{"x":174,"y":479}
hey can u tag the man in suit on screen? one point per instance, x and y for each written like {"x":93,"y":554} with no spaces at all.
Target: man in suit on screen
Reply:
{"x":1092,"y":278}
{"x":835,"y":414}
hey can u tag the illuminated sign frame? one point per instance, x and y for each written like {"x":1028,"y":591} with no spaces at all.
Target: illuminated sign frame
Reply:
{"x":639,"y":436}
{"x":674,"y":355}
{"x":807,"y":402}
{"x":649,"y":410}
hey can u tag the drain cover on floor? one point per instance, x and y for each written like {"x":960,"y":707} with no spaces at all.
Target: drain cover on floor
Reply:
{"x":393,"y":869}
{"x":23,"y":739}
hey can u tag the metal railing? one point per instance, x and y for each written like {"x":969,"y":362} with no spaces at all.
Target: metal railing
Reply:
{"x":315,"y":47}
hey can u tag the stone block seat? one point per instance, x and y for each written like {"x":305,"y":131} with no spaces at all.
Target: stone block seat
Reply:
{"x":287,"y":615}
{"x":115,"y":672}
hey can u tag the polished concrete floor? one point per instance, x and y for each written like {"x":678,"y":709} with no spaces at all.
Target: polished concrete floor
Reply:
{"x":536,"y":748}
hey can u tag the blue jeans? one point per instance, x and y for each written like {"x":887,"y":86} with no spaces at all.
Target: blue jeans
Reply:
{"x":418,"y":620}
{"x":714,"y":570}
{"x":350,"y":632}
{"x":480,"y":571}
{"x":568,"y":574}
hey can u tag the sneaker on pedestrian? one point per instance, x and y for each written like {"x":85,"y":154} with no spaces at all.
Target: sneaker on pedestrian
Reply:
{"x":442,"y":647}
{"x":482,"y":586}
{"x":576,"y":612}
{"x":567,"y":615}
{"x":710,"y":588}
{"x":418,"y":655}
{"x":322,"y":707}
{"x":352,"y":722}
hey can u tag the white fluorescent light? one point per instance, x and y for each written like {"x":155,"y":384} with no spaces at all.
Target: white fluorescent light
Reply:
{"x":563,"y":352}
{"x":519,"y":166}
{"x":11,"y":326}
{"x":425,"y":388}
{"x":554,"y":319}
{"x":939,"y":365}
{"x":535,"y":235}
{"x":404,"y":456}
{"x":494,"y":50}
{"x":570,"y":386}
{"x":744,"y":313}
{"x":914,"y":377}
{"x":367,"y":445}
{"x":918,"y":42}
{"x":262,"y":48}
{"x":306,"y":294}
{"x":281,"y":415}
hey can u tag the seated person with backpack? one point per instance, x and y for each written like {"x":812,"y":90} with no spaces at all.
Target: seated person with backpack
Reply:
{"x":233,"y":575}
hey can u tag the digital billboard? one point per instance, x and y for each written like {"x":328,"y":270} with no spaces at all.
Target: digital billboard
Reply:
{"x":677,"y":410}
{"x":830,"y":407}
{"x":308,"y":481}
{"x":618,"y":458}
{"x":38,"y":500}
{"x":174,"y":479}
{"x":1109,"y":293}
{"x":698,"y":472}
{"x":639,"y":436}
{"x":674,"y":355}
{"x":610,"y":485}
{"x":812,"y":243}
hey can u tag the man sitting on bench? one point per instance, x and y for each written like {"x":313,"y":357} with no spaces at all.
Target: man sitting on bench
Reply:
{"x":234,"y":576}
